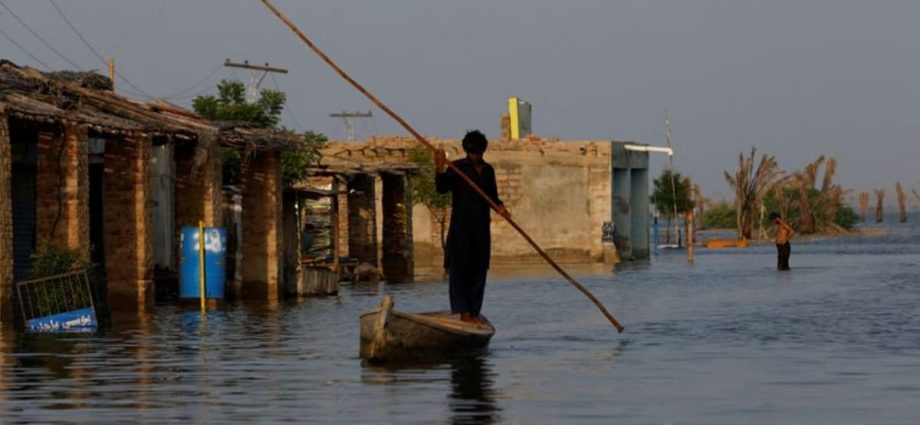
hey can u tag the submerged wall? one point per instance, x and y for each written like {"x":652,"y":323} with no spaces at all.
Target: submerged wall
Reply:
{"x":559,"y":192}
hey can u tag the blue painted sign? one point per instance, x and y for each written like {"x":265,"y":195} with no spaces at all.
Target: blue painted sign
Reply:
{"x":82,"y":320}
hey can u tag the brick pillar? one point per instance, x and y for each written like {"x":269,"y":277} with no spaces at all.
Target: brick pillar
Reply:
{"x":362,"y":219}
{"x":6,"y":222}
{"x":262,"y":239}
{"x":128,"y":219}
{"x":342,"y":223}
{"x":398,"y":263}
{"x":198,"y":183}
{"x":62,"y":182}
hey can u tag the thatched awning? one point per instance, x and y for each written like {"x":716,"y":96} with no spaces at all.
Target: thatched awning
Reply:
{"x":83,"y":98}
{"x":261,"y":139}
{"x":358,"y":168}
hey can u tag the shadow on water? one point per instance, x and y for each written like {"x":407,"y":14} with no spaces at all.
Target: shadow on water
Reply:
{"x":472,"y":398}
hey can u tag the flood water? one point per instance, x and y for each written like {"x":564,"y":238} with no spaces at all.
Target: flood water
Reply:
{"x":728,"y":340}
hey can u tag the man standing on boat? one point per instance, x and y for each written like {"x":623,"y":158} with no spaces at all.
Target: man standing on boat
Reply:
{"x":469,"y":240}
{"x":783,"y":235}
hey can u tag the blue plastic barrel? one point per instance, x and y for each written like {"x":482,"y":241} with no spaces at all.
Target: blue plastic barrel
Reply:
{"x":215,"y":261}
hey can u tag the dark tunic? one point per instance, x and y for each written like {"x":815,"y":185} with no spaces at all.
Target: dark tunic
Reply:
{"x":469,"y":241}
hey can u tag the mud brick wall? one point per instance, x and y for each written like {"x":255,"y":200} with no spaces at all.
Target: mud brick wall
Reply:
{"x":62,"y":182}
{"x":128,"y":220}
{"x":6,"y":221}
{"x":262,"y":221}
{"x":426,"y":232}
{"x":398,"y":258}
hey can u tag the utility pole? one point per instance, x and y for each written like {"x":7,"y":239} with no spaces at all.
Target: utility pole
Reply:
{"x":111,"y":64}
{"x":257,"y":73}
{"x":350,"y":118}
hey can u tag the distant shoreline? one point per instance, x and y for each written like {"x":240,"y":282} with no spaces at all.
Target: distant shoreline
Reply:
{"x":858,"y":231}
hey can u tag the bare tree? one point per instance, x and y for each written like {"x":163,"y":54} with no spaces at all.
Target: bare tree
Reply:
{"x":750,"y":185}
{"x":879,"y":208}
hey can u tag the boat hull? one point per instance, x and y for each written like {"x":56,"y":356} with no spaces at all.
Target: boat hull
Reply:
{"x":407,"y":336}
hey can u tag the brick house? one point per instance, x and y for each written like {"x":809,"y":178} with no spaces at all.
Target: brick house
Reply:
{"x":117,"y":178}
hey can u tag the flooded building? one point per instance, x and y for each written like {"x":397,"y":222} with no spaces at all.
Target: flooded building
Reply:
{"x":115,"y":179}
{"x":572,"y":197}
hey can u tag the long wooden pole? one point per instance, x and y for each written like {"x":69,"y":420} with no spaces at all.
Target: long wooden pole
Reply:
{"x":430,"y":146}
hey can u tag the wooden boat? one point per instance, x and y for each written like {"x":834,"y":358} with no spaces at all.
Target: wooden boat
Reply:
{"x":388,"y":334}
{"x":727,"y":243}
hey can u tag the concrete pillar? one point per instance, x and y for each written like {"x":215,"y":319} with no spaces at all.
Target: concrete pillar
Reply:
{"x":262,"y":238}
{"x":362,"y":219}
{"x":128,"y":220}
{"x":639,"y":196}
{"x":62,"y":182}
{"x":398,"y":258}
{"x":6,"y":222}
{"x":622,"y":211}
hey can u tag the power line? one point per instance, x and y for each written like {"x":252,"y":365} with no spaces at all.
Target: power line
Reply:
{"x":195,"y":93}
{"x":182,"y":92}
{"x":95,"y":52}
{"x":10,"y":39}
{"x":286,"y":109}
{"x":42,"y":40}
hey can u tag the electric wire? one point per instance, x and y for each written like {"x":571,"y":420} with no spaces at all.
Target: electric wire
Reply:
{"x":184,"y":91}
{"x":24,"y":50}
{"x":96,"y":52}
{"x":40,"y":38}
{"x":286,"y":109}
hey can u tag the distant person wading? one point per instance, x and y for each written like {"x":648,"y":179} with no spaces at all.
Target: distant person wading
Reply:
{"x":783,"y":235}
{"x":468,"y":250}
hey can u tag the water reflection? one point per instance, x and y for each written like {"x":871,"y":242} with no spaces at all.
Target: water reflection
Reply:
{"x":472,"y":397}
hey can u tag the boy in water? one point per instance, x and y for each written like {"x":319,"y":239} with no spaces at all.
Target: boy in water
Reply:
{"x":783,"y":235}
{"x":469,"y":242}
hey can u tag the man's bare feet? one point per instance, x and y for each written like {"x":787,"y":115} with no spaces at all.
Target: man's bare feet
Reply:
{"x":467,"y":318}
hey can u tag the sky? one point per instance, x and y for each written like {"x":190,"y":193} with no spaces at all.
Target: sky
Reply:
{"x":793,"y":78}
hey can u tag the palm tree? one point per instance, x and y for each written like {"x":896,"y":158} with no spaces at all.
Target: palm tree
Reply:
{"x":902,"y":202}
{"x":864,"y":204}
{"x":751,"y":185}
{"x":879,"y":205}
